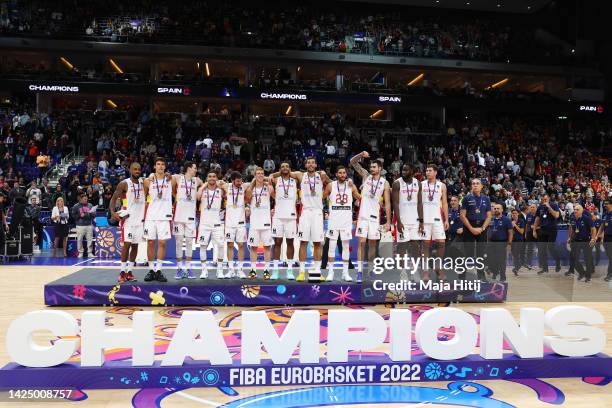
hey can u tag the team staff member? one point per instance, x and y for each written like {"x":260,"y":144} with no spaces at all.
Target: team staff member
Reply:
{"x":476,"y":215}
{"x":584,"y":239}
{"x":518,"y":240}
{"x":455,"y":226}
{"x":570,"y":240}
{"x":545,"y":231}
{"x":84,"y":216}
{"x":500,"y":236}
{"x":530,"y":241}
{"x":605,"y":233}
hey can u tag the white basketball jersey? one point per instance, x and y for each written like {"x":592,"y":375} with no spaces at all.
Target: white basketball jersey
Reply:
{"x":234,"y":209}
{"x":371,"y":198}
{"x":340,"y":207}
{"x":159,"y":207}
{"x":210,"y":207}
{"x":135,"y":202}
{"x":286,"y":197}
{"x":408,"y":201}
{"x":185,"y":209}
{"x":432,"y":211}
{"x":312,"y":192}
{"x":260,"y":214}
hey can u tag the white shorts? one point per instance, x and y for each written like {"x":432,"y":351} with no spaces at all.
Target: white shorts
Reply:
{"x":157,"y":230}
{"x":410,"y":233}
{"x":259,"y":237}
{"x":236,"y":234}
{"x":205,"y":234}
{"x":345,"y":234}
{"x":184,"y":229}
{"x":283,"y":228}
{"x":434,"y":231}
{"x":132,"y":233}
{"x":369,"y":229}
{"x":310,"y":227}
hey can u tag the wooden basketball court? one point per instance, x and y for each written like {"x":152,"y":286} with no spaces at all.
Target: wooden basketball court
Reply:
{"x":23,"y":290}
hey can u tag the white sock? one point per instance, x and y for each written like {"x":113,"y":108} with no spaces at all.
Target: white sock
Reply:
{"x":130,"y":265}
{"x":159,"y":264}
{"x":360,"y":266}
{"x":152,"y":264}
{"x":188,"y":265}
{"x":203,"y":257}
{"x":345,"y":267}
{"x":179,"y":263}
{"x":123,"y":265}
{"x":317,"y":265}
{"x":275,"y":264}
{"x":302,"y":266}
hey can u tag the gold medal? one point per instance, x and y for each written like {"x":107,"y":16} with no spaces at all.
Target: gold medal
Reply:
{"x":159,"y":195}
{"x":257,"y":205}
{"x":235,"y":205}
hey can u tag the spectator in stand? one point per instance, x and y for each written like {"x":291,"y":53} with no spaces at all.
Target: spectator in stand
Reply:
{"x":32,"y":212}
{"x":42,"y":162}
{"x":33,"y":193}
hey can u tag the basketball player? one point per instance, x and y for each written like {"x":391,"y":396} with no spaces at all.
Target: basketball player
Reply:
{"x":186,"y":186}
{"x":158,"y":217}
{"x":131,"y":219}
{"x":408,"y":208}
{"x":435,"y":215}
{"x":258,"y":194}
{"x":341,"y":194}
{"x":284,"y":223}
{"x":375,"y":192}
{"x":235,"y":224}
{"x":310,"y":227}
{"x":210,"y":226}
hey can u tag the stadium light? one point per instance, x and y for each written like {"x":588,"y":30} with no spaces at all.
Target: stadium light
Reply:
{"x":416,"y":79}
{"x":288,"y":111}
{"x":207,"y":69}
{"x":498,"y":84}
{"x":376,"y":114}
{"x":111,"y":103}
{"x":116,"y":67}
{"x":66,"y":63}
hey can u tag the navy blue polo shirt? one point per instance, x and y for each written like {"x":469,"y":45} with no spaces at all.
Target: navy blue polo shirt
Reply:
{"x":498,"y":229}
{"x":454,"y":222}
{"x":529,"y":220}
{"x":476,"y":207}
{"x":547,"y":221}
{"x":520,"y":222}
{"x":582,"y":230}
{"x":597,"y":223}
{"x":607,"y":219}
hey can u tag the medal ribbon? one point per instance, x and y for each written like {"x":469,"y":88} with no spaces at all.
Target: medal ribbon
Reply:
{"x":210,"y":201}
{"x":258,"y":196}
{"x":235,"y":196}
{"x":159,"y":192}
{"x":430,"y":194}
{"x":188,"y":190}
{"x":374,"y":189}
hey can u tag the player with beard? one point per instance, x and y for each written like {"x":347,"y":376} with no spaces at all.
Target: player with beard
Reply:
{"x":186,"y":186}
{"x":258,"y":194}
{"x":284,"y":224}
{"x":158,"y":217}
{"x":341,"y":194}
{"x":131,"y":217}
{"x":235,"y":224}
{"x":435,"y":216}
{"x":310,"y":227}
{"x":375,"y":192}
{"x":408,"y":208}
{"x":210,"y":225}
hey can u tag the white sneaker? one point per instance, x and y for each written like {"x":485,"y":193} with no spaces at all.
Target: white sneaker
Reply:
{"x":347,"y":277}
{"x":231,"y":274}
{"x":220,"y":274}
{"x":240,"y":274}
{"x":204,"y":274}
{"x":330,"y":275}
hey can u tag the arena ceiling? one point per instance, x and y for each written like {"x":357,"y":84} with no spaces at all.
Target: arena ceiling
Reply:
{"x":502,"y":6}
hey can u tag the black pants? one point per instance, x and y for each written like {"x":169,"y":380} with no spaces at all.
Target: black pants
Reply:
{"x":608,"y":249}
{"x":528,"y":249}
{"x":474,"y":246}
{"x":496,"y":257}
{"x":546,"y":244}
{"x":325,"y":256}
{"x":572,"y":256}
{"x":585,"y":248}
{"x":518,"y":254}
{"x":38,"y":229}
